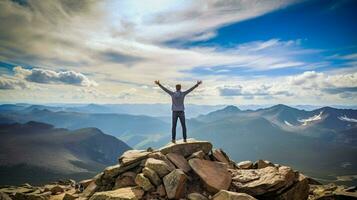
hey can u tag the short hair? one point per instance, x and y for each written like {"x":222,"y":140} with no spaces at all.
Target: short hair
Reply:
{"x":178,"y":87}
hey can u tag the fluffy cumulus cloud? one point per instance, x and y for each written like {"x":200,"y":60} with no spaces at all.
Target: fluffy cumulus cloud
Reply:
{"x":9,"y":83}
{"x":46,"y":76}
{"x":309,"y":84}
{"x":250,"y":92}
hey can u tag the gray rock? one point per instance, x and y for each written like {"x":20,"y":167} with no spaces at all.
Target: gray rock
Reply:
{"x":158,"y":155}
{"x":175,"y":184}
{"x":196,"y":196}
{"x":152,"y":175}
{"x":132,"y":156}
{"x":264,"y":163}
{"x":179,"y":161}
{"x":187,"y":148}
{"x":127,"y":193}
{"x":90,"y":190}
{"x":220,"y":156}
{"x":70,"y":196}
{"x":160,"y":190}
{"x":125,"y":180}
{"x":198,"y":154}
{"x":214,"y":175}
{"x":299,"y":191}
{"x":228,"y":195}
{"x":159,"y":166}
{"x":143,"y":182}
{"x":257,"y":182}
{"x":245,"y":165}
{"x":4,"y":196}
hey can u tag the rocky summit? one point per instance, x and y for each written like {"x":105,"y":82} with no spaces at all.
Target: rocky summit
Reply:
{"x":192,"y":170}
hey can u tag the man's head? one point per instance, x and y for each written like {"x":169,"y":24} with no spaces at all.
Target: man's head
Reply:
{"x":178,"y":87}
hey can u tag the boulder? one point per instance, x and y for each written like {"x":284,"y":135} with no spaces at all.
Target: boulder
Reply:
{"x":245,"y":165}
{"x":196,"y":196}
{"x":264,"y":163}
{"x":4,"y":196}
{"x":215,"y":175}
{"x":132,"y":156}
{"x":187,"y":148}
{"x":257,"y":182}
{"x":159,"y":166}
{"x":68,"y":196}
{"x":228,"y":195}
{"x":179,"y":161}
{"x":90,"y":190}
{"x":85,"y":183}
{"x":54,"y":189}
{"x":298,"y":191}
{"x":175,"y":184}
{"x":152,"y":176}
{"x":158,"y":155}
{"x":220,"y":156}
{"x":330,"y":192}
{"x":125,"y":180}
{"x":198,"y":154}
{"x":160,"y":190}
{"x":111,"y":171}
{"x":127,"y":193}
{"x":32,"y":196}
{"x":143,"y":182}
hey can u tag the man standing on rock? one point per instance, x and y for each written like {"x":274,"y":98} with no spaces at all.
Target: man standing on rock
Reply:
{"x":178,"y":107}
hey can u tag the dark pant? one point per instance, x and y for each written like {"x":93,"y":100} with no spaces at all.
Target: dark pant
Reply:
{"x":181,"y":116}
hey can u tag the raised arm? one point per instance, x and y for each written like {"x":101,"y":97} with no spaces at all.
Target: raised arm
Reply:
{"x":192,"y":88}
{"x":163,"y":88}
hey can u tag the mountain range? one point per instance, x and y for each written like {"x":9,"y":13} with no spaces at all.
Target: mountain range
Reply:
{"x":37,"y":152}
{"x":321,"y":142}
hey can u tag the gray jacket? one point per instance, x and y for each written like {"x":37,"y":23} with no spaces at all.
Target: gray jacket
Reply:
{"x":178,"y":97}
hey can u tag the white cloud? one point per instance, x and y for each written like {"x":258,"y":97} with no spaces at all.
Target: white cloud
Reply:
{"x":7,"y":83}
{"x":38,"y":75}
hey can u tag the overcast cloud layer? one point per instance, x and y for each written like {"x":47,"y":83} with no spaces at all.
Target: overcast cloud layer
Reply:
{"x":112,"y":51}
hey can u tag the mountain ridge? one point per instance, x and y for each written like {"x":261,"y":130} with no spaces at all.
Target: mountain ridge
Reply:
{"x":36,"y":146}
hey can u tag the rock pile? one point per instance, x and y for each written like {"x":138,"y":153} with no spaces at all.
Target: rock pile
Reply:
{"x":191,"y":170}
{"x":194,"y":171}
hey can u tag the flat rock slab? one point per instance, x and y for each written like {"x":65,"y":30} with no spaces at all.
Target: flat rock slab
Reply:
{"x":187,"y":148}
{"x":179,"y":161}
{"x":128,"y":193}
{"x":215,"y":175}
{"x":257,"y":182}
{"x":245,"y":164}
{"x":228,"y":195}
{"x":132,"y":156}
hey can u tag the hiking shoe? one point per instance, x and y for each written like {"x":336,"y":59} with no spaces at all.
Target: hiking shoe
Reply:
{"x":173,"y":141}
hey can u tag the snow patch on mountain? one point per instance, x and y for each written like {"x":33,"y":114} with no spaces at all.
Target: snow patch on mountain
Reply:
{"x":311,"y":119}
{"x":344,"y":118}
{"x":287,"y":123}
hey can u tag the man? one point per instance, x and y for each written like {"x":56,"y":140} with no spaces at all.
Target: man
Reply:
{"x":178,"y":108}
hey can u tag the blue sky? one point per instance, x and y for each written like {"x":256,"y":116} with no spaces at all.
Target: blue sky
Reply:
{"x":260,"y":52}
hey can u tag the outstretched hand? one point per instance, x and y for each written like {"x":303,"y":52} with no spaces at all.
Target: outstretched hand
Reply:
{"x":157,"y":82}
{"x":199,"y":82}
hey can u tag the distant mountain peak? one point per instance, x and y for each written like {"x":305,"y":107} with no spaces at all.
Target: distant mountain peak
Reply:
{"x":282,"y":106}
{"x":231,"y":109}
{"x":39,"y":125}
